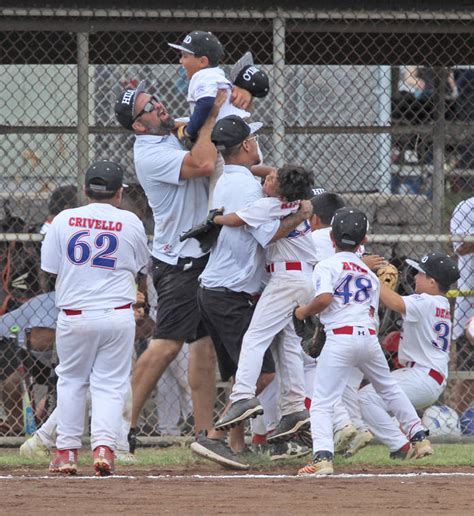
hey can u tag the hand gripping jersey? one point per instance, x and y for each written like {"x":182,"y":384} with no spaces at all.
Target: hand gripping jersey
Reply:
{"x":426,"y":332}
{"x":296,"y":246}
{"x":96,"y":251}
{"x":355,"y":288}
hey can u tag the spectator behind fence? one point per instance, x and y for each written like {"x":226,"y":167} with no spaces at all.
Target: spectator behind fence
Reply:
{"x":62,"y":198}
{"x":462,"y":223}
{"x":19,"y":265}
{"x":37,"y":322}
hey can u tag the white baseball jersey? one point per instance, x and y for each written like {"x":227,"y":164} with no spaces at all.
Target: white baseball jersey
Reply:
{"x":324,"y":246}
{"x":296,"y":246}
{"x":426,"y":332}
{"x":355,"y":288}
{"x":95,"y":250}
{"x":205,"y":83}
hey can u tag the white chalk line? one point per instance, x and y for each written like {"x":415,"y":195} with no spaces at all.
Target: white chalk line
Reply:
{"x":346,"y":476}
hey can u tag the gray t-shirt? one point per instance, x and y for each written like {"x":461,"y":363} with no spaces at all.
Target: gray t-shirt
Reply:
{"x":237,"y":261}
{"x":177,"y":204}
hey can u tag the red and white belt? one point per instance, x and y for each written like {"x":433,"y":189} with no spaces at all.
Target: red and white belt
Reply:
{"x":68,"y":311}
{"x":289,"y":266}
{"x":349,"y":330}
{"x":437,"y":377}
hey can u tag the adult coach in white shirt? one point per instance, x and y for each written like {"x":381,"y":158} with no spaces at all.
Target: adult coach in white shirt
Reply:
{"x":95,"y":252}
{"x":176,"y":184}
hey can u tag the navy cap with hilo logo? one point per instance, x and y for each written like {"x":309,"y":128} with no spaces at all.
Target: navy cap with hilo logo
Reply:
{"x":439,"y":266}
{"x":201,"y":44}
{"x":232,"y":130}
{"x":125,"y":105}
{"x":104,"y":177}
{"x":349,"y":226}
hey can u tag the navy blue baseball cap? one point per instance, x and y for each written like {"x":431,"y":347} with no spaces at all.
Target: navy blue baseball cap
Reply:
{"x":349,"y":226}
{"x":437,"y":265}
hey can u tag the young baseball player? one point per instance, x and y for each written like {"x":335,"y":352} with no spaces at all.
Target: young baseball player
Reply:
{"x":347,"y":297}
{"x":423,"y":350}
{"x":350,"y":431}
{"x":94,"y":252}
{"x":290,"y":262}
{"x":201,"y":53}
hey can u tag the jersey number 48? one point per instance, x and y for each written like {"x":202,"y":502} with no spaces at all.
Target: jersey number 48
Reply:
{"x":357,"y":288}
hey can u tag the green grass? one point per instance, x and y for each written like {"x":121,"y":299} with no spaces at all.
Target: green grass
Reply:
{"x":447,"y":455}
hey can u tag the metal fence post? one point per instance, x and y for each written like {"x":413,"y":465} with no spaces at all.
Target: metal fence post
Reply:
{"x":439,"y":142}
{"x":82,"y":106}
{"x":278,"y":86}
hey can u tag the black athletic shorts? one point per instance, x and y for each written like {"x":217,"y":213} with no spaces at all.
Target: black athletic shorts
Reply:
{"x":178,"y":316}
{"x":227,"y":316}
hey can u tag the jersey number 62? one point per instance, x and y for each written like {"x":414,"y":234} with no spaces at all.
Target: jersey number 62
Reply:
{"x":79,"y":252}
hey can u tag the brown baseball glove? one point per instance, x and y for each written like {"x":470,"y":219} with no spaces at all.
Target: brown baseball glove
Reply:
{"x":312,"y":334}
{"x":388,"y":275}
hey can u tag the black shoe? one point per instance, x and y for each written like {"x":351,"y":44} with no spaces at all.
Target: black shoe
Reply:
{"x":217,"y":451}
{"x":238,"y":412}
{"x":405,"y":452}
{"x":421,"y":435}
{"x":288,"y":450}
{"x":132,"y":440}
{"x":290,"y":425}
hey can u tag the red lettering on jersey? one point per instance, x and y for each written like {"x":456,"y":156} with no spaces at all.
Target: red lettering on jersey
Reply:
{"x":349,"y":266}
{"x":443,"y":313}
{"x":118,"y":226}
{"x":78,"y":222}
{"x":98,"y":224}
{"x":72,"y":221}
{"x":288,"y":205}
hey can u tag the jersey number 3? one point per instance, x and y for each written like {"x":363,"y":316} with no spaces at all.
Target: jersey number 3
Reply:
{"x":80,"y":252}
{"x":359,"y":288}
{"x":442,"y":340}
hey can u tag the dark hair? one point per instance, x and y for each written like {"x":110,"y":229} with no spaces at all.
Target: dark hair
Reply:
{"x":442,"y":287}
{"x":295,"y":182}
{"x":230,"y":151}
{"x":61,"y":197}
{"x":325,"y":205}
{"x":99,"y":196}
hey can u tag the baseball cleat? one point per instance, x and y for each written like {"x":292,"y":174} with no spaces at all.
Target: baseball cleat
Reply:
{"x":103,"y":461}
{"x":290,"y":425}
{"x":321,"y":465}
{"x":343,"y":437}
{"x":361,"y":440}
{"x":238,"y":412}
{"x":421,"y":444}
{"x":217,"y":451}
{"x":287,"y":450}
{"x":64,"y":462}
{"x":407,"y":451}
{"x":33,"y":448}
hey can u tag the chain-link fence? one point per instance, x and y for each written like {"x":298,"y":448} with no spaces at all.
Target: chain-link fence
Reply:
{"x":379,"y":105}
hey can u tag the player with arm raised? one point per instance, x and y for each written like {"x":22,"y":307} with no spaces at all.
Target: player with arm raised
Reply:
{"x":347,"y":296}
{"x":423,"y":350}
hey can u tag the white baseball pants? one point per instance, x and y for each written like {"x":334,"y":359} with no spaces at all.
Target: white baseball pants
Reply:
{"x":339,"y":355}
{"x":421,"y":390}
{"x":94,"y":348}
{"x":347,"y":410}
{"x":273,"y":314}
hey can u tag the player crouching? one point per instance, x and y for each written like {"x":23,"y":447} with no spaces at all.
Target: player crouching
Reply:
{"x":347,"y":297}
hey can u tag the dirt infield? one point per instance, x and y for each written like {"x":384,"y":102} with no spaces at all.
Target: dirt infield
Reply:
{"x":191,"y":491}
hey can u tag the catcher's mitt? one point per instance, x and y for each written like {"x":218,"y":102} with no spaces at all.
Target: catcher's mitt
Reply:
{"x":312,"y":334}
{"x":205,"y":233}
{"x":388,"y":275}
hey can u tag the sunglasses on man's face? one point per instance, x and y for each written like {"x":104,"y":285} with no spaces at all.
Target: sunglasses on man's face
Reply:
{"x":147,"y":108}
